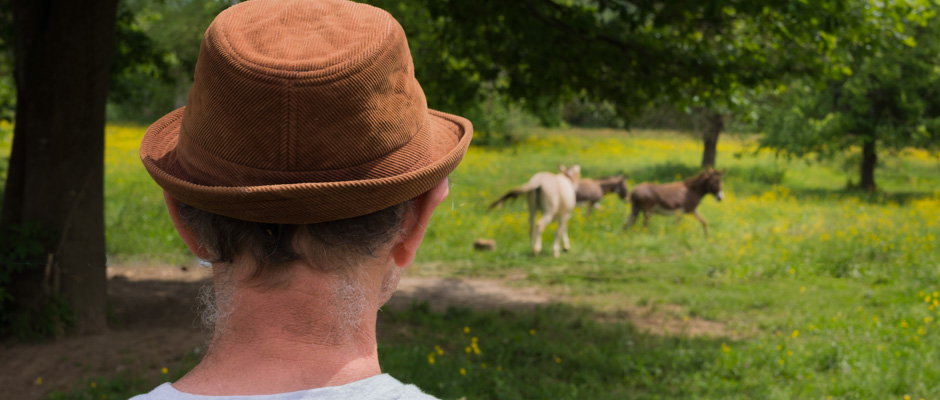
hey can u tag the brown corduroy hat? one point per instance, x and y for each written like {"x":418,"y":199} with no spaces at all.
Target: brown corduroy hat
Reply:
{"x":303,"y":111}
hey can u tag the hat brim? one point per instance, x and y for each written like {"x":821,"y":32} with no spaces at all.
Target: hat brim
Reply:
{"x":304,"y":202}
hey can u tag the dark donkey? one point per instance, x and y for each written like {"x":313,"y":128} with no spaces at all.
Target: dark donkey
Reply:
{"x":675,"y":196}
{"x":592,"y":190}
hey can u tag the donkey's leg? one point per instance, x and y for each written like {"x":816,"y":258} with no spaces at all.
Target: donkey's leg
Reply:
{"x":563,"y":232}
{"x":540,"y":228}
{"x":535,"y":234}
{"x":702,"y":220}
{"x":634,"y":212}
{"x":679,"y":217}
{"x":646,"y":218}
{"x":590,"y":207}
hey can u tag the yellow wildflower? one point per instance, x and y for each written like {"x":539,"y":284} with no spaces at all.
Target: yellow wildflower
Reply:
{"x":39,"y":380}
{"x":795,"y":334}
{"x":532,"y":332}
{"x":165,"y":371}
{"x":466,"y":329}
{"x":439,"y":350}
{"x":463,"y":372}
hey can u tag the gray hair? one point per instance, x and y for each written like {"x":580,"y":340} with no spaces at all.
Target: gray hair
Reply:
{"x":326,"y":246}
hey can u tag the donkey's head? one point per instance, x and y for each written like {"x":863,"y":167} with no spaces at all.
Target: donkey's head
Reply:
{"x":712,"y":182}
{"x":573,"y":172}
{"x":620,"y":187}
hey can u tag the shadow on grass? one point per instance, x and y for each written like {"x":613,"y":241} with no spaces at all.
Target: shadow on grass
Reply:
{"x":553,"y":352}
{"x":876,"y":197}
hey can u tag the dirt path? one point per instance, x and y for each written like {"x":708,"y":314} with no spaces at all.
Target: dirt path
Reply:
{"x":156,"y":326}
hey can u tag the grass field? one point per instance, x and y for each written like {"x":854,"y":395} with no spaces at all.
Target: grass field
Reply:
{"x":818,"y":292}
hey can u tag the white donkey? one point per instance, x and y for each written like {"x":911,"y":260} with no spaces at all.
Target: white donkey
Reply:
{"x":554,"y":196}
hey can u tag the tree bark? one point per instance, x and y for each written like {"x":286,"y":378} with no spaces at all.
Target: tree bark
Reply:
{"x":869,"y":162}
{"x":63,"y":51}
{"x":710,"y":123}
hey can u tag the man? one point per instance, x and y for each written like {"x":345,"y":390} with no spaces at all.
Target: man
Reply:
{"x":305,"y":167}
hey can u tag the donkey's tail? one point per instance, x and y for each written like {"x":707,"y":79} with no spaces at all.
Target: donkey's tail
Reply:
{"x":515,"y":192}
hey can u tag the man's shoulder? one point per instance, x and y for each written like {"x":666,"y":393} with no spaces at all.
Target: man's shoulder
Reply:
{"x":379,"y":387}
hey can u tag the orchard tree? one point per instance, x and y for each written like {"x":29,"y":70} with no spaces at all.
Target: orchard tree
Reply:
{"x":887,"y":97}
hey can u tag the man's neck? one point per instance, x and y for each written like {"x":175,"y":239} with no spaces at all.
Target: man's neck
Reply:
{"x":289,"y":339}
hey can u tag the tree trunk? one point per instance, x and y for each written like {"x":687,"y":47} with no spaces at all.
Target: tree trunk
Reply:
{"x":869,"y":162}
{"x":63,"y":52}
{"x":709,"y":123}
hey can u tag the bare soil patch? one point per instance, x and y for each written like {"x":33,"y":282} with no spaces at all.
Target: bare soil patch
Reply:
{"x":156,"y":325}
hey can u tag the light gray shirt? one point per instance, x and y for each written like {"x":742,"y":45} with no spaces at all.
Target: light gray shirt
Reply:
{"x":379,"y":387}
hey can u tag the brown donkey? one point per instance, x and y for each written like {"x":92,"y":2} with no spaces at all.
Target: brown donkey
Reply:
{"x":592,"y":190}
{"x":675,"y":196}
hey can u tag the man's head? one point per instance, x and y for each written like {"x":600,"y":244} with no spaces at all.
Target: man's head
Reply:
{"x":306,"y":140}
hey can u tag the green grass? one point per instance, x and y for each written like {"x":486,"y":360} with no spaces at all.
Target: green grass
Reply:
{"x":818,"y":291}
{"x":138,"y":229}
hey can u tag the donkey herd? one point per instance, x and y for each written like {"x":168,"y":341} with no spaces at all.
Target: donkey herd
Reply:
{"x":554,"y":196}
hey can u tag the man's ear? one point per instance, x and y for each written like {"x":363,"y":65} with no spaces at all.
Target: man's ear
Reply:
{"x":173,"y":206}
{"x":416,"y":224}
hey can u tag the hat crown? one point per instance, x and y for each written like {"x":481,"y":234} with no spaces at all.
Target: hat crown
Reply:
{"x":311,"y":91}
{"x":303,"y":111}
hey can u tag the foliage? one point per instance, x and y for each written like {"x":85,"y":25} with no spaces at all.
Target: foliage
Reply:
{"x":7,"y":85}
{"x":139,"y":70}
{"x":157,"y":46}
{"x":587,"y":114}
{"x":21,"y":248}
{"x":542,"y":52}
{"x":889,"y":93}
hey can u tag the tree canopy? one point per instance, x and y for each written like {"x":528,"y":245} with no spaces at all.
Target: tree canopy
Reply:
{"x":695,"y":55}
{"x":887,"y":96}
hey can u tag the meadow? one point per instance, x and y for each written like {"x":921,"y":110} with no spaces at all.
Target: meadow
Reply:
{"x":811,"y":290}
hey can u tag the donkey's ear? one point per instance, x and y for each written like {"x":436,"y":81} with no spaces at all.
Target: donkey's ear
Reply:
{"x":709,"y":169}
{"x":722,"y":172}
{"x":563,"y":168}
